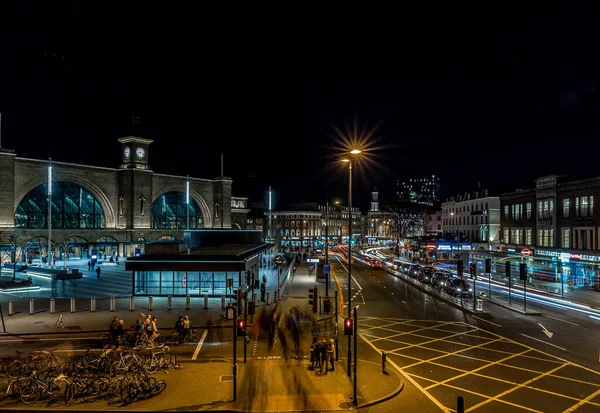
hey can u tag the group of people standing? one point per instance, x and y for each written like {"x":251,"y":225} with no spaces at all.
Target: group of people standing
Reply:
{"x":321,"y":352}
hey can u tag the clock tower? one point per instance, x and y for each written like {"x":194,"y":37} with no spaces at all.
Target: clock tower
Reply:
{"x":134,"y":152}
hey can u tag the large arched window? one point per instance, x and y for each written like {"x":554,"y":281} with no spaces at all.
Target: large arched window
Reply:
{"x":72,"y":207}
{"x":168,"y":211}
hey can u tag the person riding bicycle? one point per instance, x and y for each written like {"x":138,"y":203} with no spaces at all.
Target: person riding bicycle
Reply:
{"x":152,"y":331}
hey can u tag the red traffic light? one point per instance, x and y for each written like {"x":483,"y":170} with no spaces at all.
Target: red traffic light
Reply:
{"x":241,"y":327}
{"x":241,"y":324}
{"x":348,"y":327}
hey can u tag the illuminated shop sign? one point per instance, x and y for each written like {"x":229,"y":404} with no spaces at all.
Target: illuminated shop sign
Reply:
{"x":444,"y":247}
{"x":466,"y":247}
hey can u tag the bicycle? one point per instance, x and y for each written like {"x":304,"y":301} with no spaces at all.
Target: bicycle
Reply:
{"x":142,"y":341}
{"x":190,"y":337}
{"x":54,"y":387}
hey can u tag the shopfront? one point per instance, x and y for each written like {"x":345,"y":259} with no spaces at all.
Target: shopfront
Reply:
{"x":215,"y":271}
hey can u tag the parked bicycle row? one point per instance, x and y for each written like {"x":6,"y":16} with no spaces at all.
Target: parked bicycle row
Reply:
{"x":123,"y":376}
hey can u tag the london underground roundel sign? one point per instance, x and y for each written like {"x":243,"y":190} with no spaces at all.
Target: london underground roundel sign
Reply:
{"x":525,"y":252}
{"x":279,"y":260}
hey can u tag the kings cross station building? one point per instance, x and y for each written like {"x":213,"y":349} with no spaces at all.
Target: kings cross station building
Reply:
{"x":108,"y":211}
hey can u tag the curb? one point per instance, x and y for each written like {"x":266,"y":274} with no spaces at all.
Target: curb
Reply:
{"x":437,"y":296}
{"x":517,"y":310}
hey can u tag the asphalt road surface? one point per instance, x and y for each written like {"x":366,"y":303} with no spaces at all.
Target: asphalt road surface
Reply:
{"x":500,"y":362}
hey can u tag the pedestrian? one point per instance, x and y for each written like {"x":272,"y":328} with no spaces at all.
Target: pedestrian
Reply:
{"x":322,"y":355}
{"x":187,"y":327}
{"x":265,"y":279}
{"x":54,"y":262}
{"x":263,"y":290}
{"x":179,"y":328}
{"x":89,"y":265}
{"x":113,"y":328}
{"x":120,"y":333}
{"x":331,"y":353}
{"x":98,"y":272}
{"x":117,"y":259}
{"x":313,"y":356}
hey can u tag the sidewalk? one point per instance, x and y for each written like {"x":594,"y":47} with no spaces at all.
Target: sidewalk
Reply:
{"x":263,"y":384}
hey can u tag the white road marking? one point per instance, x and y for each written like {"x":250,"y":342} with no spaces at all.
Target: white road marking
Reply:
{"x":51,"y":339}
{"x":545,"y":330}
{"x":487,"y":321}
{"x":564,"y":321}
{"x":542,"y":341}
{"x":199,"y":346}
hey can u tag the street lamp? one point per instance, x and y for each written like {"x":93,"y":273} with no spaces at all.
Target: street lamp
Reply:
{"x":349,"y":161}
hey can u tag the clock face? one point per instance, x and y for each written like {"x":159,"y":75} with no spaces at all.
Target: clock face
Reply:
{"x":127,"y":152}
{"x":139,"y":152}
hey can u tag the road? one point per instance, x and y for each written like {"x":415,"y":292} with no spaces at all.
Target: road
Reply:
{"x":501,"y":362}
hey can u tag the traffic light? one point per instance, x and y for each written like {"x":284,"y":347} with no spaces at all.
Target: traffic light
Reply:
{"x":473,"y":269}
{"x":348,"y":327}
{"x":459,"y":268}
{"x":488,"y":265}
{"x":313,"y":296}
{"x":523,"y":272}
{"x":507,"y":269}
{"x":241,"y":327}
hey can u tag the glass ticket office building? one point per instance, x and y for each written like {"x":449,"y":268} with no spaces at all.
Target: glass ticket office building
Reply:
{"x":169,"y":268}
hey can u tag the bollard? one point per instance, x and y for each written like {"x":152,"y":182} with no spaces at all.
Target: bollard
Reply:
{"x":206,"y":301}
{"x":460,"y":405}
{"x":92,"y":304}
{"x":383,"y":361}
{"x":188,"y":302}
{"x":52,"y":306}
{"x":169,"y":302}
{"x":31,"y":306}
{"x":222,"y":301}
{"x":11,"y":307}
{"x":268,"y":298}
{"x":72,"y":305}
{"x":112,"y":304}
{"x":131,"y":304}
{"x":150,"y":303}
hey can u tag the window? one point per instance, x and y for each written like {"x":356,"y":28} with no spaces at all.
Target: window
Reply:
{"x":576,"y":207}
{"x":529,"y":210}
{"x":591,"y":205}
{"x":546,"y":237}
{"x":516,"y":235}
{"x":506,"y":237}
{"x":528,"y":236}
{"x":566,"y":241}
{"x":584,"y":205}
{"x":566,"y":205}
{"x":505,"y":211}
{"x":545,"y":208}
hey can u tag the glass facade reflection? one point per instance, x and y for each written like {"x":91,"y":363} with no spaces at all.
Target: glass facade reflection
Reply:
{"x":193,"y":283}
{"x":168,"y":212}
{"x":72,"y":207}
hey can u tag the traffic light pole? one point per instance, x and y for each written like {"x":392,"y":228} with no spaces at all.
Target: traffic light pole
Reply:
{"x":234,"y":354}
{"x":245,"y":323}
{"x":474,"y":287}
{"x":354,"y":399}
{"x":336,"y":326}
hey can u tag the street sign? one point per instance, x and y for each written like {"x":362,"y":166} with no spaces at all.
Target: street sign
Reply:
{"x":326,"y":269}
{"x":279,"y":260}
{"x":312,"y":260}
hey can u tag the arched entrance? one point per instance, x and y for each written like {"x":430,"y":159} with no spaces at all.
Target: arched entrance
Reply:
{"x":74,"y":247}
{"x":106,"y":248}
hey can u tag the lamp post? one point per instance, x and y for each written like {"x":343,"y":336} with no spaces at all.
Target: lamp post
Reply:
{"x":327,"y":245}
{"x":49,"y":213}
{"x":349,"y":161}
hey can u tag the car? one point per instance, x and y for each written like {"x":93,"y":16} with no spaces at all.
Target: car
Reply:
{"x":426,"y":274}
{"x":458,"y":287}
{"x":439,"y":279}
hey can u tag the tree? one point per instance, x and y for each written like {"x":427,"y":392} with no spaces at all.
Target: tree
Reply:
{"x":406,"y":225}
{"x":66,"y":246}
{"x":15,"y":241}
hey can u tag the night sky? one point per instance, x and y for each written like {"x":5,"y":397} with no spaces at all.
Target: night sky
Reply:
{"x":492,"y":99}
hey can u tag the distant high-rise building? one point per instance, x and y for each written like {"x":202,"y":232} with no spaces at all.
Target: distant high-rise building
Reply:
{"x":424,"y":190}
